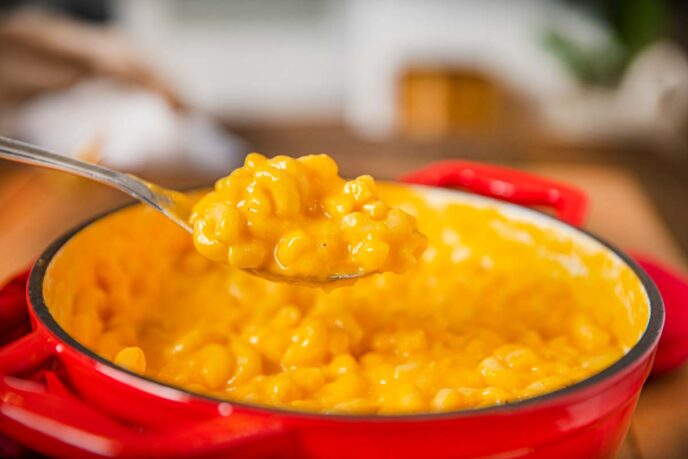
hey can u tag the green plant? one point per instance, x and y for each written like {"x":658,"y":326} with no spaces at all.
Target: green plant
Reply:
{"x":634,"y":24}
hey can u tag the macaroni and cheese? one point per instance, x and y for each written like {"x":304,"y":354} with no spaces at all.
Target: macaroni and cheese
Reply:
{"x":297,"y":219}
{"x":496,"y":310}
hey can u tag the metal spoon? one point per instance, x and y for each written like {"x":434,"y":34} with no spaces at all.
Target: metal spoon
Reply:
{"x":174,"y":205}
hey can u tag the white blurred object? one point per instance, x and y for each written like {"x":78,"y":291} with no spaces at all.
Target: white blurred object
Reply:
{"x":133,"y":128}
{"x":257,"y":61}
{"x":654,"y":93}
{"x":500,"y":38}
{"x":322,"y":60}
{"x":650,"y":104}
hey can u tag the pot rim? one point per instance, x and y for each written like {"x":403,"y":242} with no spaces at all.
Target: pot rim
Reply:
{"x":646,"y":344}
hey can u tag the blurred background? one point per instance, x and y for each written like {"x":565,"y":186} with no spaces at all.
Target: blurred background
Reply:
{"x":496,"y":75}
{"x":591,"y":92}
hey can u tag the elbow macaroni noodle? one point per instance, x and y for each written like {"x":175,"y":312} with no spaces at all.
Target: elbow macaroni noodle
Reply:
{"x":496,"y":310}
{"x":297,"y":218}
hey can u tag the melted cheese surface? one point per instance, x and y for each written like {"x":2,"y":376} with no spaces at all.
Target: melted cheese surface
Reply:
{"x":497,"y":310}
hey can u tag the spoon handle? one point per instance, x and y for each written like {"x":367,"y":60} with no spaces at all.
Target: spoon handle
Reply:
{"x":171,"y":203}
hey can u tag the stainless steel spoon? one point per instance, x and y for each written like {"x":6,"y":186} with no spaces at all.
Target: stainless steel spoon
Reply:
{"x":174,"y":205}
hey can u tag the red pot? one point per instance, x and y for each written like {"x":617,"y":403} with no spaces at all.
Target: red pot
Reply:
{"x":61,"y":399}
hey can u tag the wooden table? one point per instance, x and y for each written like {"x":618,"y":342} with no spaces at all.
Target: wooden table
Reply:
{"x":36,"y":206}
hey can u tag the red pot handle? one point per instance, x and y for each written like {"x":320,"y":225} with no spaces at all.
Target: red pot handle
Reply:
{"x":569,"y":203}
{"x":13,"y":317}
{"x":672,"y":350}
{"x":38,"y":410}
